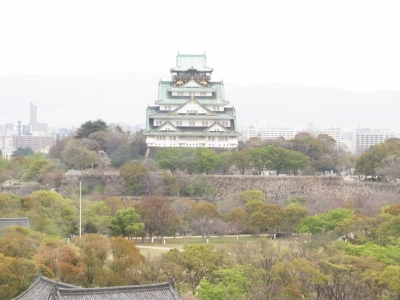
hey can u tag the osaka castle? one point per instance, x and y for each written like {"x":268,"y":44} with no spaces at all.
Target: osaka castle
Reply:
{"x":191,"y":109}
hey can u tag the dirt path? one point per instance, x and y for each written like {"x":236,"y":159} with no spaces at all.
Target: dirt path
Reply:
{"x":156,"y":248}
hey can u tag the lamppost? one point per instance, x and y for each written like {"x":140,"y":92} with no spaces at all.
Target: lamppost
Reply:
{"x":80,"y":208}
{"x":210,"y":228}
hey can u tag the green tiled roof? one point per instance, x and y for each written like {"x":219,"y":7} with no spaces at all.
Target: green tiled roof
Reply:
{"x":185,"y":62}
{"x":165,"y":96}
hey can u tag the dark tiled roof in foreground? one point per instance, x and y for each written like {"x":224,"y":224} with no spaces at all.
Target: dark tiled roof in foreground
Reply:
{"x":47,"y":289}
{"x":160,"y":291}
{"x":7,"y":222}
{"x":41,"y":289}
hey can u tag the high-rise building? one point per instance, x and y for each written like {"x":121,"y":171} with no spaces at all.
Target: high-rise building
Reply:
{"x":32,"y":114}
{"x":191,"y":110}
{"x":365,"y":138}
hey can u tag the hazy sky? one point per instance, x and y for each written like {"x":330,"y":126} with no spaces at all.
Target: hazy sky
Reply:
{"x":350,"y":44}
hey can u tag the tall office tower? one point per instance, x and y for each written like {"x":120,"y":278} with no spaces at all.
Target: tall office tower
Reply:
{"x":32,"y":114}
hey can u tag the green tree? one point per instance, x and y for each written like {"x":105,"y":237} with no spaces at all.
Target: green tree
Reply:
{"x":90,"y":127}
{"x":207,"y":160}
{"x":169,"y":159}
{"x":269,"y":217}
{"x":292,"y":215}
{"x":77,"y":156}
{"x":242,"y":160}
{"x":133,"y":177}
{"x":198,"y":262}
{"x":259,"y":158}
{"x":250,"y":195}
{"x":126,"y":223}
{"x":277,"y":158}
{"x":296,"y":161}
{"x":391,"y":278}
{"x":22,"y":152}
{"x":34,"y":170}
{"x":225,"y":162}
{"x":326,"y":221}
{"x":189,"y":160}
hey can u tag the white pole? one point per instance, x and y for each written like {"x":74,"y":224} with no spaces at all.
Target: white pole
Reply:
{"x":80,"y":208}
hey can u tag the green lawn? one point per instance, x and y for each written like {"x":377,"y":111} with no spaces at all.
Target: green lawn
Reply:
{"x":179,"y":242}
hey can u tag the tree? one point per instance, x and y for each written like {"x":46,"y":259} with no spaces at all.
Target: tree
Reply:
{"x":320,"y":223}
{"x":126,"y":223}
{"x":250,"y":195}
{"x":242,"y":160}
{"x":100,"y":137}
{"x":124,"y":257}
{"x":157,"y":215}
{"x":77,"y":156}
{"x":90,"y":127}
{"x":292,"y":215}
{"x":22,"y":152}
{"x":169,"y":158}
{"x":35,"y":168}
{"x":237,"y":218}
{"x":277,"y":158}
{"x":390,"y":277}
{"x":138,"y":144}
{"x":296,"y":161}
{"x":225,"y":162}
{"x":390,"y":167}
{"x":259,"y":158}
{"x":198,"y":262}
{"x":95,"y":250}
{"x":133,"y":175}
{"x":59,"y":146}
{"x":370,"y":160}
{"x":268,"y":218}
{"x":207,"y":160}
{"x":188,"y":160}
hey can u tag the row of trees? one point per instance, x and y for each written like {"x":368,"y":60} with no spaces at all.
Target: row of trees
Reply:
{"x":203,"y":160}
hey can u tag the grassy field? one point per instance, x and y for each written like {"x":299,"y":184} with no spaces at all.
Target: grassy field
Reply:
{"x":156,"y":248}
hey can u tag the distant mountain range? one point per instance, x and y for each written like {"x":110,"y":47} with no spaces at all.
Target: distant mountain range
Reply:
{"x":65,"y":101}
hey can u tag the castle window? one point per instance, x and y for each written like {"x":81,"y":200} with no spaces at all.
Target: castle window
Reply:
{"x":204,"y":124}
{"x":178,"y":123}
{"x":192,"y":123}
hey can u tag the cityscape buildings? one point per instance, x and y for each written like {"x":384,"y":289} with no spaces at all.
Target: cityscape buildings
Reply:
{"x":34,"y":135}
{"x":267,"y":133}
{"x":365,"y":138}
{"x":191,"y":110}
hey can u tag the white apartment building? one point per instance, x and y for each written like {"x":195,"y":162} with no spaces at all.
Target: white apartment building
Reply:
{"x":267,"y":133}
{"x":271,"y":133}
{"x":365,"y":138}
{"x":247,"y":133}
{"x":335,"y":133}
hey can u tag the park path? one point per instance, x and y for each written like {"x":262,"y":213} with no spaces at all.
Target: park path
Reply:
{"x":156,"y":248}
